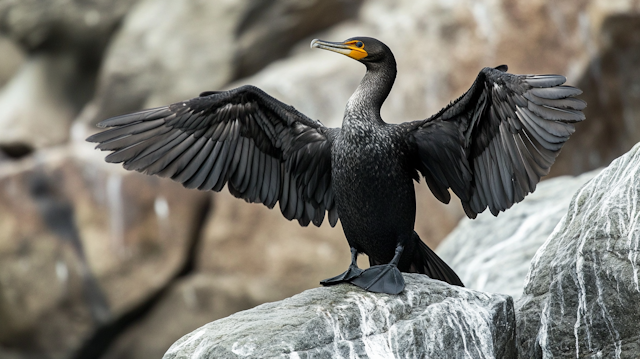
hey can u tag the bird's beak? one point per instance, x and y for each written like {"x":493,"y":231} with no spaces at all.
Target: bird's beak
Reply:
{"x":346,"y":48}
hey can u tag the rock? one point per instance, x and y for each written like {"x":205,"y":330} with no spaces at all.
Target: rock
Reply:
{"x":492,"y":254}
{"x":610,"y":84}
{"x":581,"y":294}
{"x":84,"y":242}
{"x":32,"y":95}
{"x":200,"y":45}
{"x":191,"y":303}
{"x":12,"y":57}
{"x":429,"y":319}
{"x":64,"y":41}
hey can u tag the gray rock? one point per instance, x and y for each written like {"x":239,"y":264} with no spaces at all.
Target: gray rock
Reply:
{"x":188,"y":304}
{"x":492,"y":254}
{"x":34,"y":93}
{"x":83,"y":242}
{"x":49,"y":24}
{"x":12,"y":57}
{"x":582,"y":293}
{"x":64,"y":41}
{"x":429,"y":319}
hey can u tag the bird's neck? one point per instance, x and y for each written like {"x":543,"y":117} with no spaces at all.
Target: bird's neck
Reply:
{"x":366,"y":101}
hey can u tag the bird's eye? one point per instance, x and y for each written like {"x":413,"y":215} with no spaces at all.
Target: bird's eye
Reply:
{"x":359,"y":44}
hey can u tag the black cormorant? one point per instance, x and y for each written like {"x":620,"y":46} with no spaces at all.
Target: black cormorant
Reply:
{"x":490,"y":147}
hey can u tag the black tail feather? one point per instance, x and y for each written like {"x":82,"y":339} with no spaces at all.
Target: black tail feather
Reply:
{"x":425,"y":261}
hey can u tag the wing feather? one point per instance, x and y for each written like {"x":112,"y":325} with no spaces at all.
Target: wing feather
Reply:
{"x":493,"y":144}
{"x":264,"y":150}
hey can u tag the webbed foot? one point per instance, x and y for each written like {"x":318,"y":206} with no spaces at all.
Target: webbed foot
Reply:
{"x":385,"y":278}
{"x":347,"y":276}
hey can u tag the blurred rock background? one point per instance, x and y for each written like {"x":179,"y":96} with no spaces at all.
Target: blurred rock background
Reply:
{"x":97,"y":262}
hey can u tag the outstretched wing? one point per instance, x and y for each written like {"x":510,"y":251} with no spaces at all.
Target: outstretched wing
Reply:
{"x":264,"y":150}
{"x":493,"y":144}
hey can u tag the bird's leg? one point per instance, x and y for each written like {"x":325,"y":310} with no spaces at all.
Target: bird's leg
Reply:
{"x":352,"y":272}
{"x":385,"y":278}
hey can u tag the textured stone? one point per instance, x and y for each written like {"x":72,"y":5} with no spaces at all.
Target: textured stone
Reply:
{"x":81,"y":243}
{"x":429,"y":319}
{"x":581,"y":295}
{"x":492,"y":254}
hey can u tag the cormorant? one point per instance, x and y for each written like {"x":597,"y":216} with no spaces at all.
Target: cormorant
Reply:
{"x":490,"y":147}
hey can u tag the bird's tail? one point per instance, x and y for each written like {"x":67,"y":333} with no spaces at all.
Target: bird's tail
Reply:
{"x":425,"y":261}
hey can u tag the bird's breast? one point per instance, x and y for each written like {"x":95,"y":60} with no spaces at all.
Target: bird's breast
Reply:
{"x":372,"y":183}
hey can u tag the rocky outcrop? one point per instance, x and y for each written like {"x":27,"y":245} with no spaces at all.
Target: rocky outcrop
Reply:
{"x":492,"y":254}
{"x":429,"y":319}
{"x":581,"y":294}
{"x":82,"y":243}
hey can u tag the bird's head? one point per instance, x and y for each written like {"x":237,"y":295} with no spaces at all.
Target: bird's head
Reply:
{"x":364,"y":49}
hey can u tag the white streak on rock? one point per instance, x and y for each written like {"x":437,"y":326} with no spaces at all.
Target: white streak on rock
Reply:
{"x":583,"y":283}
{"x":430,"y":319}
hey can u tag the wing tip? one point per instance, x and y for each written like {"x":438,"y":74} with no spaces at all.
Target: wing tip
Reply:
{"x":502,"y":68}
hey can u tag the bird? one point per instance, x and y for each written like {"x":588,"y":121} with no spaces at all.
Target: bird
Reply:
{"x":490,"y":147}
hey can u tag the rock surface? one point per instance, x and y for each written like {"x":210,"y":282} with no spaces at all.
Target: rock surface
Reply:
{"x":429,"y":319}
{"x":82,"y":243}
{"x":582,"y":293}
{"x":492,"y":254}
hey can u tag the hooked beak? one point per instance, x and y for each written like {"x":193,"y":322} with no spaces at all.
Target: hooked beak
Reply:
{"x":348,"y":48}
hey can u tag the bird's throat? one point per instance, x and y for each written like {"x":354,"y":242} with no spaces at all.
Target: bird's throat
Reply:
{"x":366,"y":101}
